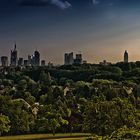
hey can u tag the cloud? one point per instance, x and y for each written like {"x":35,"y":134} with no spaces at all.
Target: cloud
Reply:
{"x":59,"y":3}
{"x":95,"y":2}
{"x":104,"y":2}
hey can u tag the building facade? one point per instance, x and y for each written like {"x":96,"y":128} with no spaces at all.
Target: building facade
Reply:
{"x":43,"y":63}
{"x":26,"y":62}
{"x":36,"y":59}
{"x":20,"y":61}
{"x":68,"y":58}
{"x":78,"y":59}
{"x":126,"y":57}
{"x":14,"y":58}
{"x":4,"y":61}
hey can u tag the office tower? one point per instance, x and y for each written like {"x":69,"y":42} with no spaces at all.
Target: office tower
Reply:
{"x":30,"y":59}
{"x":68,"y":58}
{"x":43,"y":63}
{"x":36,"y":58}
{"x":20,"y":62}
{"x":4,"y":61}
{"x":14,"y":58}
{"x":126,"y":57}
{"x":26,"y":63}
{"x":78,"y":59}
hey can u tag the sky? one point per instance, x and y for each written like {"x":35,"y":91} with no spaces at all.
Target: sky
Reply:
{"x":99,"y":29}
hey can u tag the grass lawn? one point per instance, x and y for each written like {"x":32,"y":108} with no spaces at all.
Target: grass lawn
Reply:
{"x":74,"y":136}
{"x":80,"y":138}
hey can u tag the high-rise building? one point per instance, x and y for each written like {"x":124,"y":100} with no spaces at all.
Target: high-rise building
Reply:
{"x":126,"y":57}
{"x":78,"y":59}
{"x":30,"y":59}
{"x":20,"y":62}
{"x":36,"y":58}
{"x":42,"y":62}
{"x":14,"y":58}
{"x":26,"y":62}
{"x":4,"y":61}
{"x":68,"y":58}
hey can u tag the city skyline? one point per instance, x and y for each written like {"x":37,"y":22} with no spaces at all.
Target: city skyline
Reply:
{"x":35,"y":59}
{"x":63,"y":56}
{"x":99,"y":29}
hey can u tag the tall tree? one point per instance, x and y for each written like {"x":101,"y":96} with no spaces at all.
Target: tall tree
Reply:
{"x":4,"y":124}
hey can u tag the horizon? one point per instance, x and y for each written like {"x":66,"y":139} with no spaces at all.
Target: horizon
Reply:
{"x":74,"y":53}
{"x":99,"y":29}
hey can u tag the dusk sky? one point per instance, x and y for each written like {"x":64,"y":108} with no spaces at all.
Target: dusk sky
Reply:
{"x":99,"y":29}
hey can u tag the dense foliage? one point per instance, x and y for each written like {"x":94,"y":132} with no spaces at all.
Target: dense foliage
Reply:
{"x":102,"y":100}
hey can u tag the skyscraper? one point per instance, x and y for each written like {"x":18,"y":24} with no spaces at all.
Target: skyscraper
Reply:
{"x":26,"y":62}
{"x":4,"y":61}
{"x":68,"y":58}
{"x":20,"y":62}
{"x":14,"y":58}
{"x":126,"y":57}
{"x":30,"y":60}
{"x":36,"y":58}
{"x":43,"y":63}
{"x":78,"y":59}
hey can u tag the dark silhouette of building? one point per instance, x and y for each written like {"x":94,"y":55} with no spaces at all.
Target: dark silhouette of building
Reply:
{"x":36,"y":58}
{"x":78,"y":59}
{"x":14,"y":58}
{"x":20,"y":62}
{"x":68,"y":58}
{"x":126,"y":57}
{"x":26,"y":62}
{"x":4,"y":61}
{"x":30,"y":59}
{"x":43,"y":63}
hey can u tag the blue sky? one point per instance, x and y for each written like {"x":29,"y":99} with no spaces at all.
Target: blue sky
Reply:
{"x":100,"y":29}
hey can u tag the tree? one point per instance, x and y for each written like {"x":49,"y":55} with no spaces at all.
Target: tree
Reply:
{"x":105,"y":117}
{"x":22,"y":85}
{"x":49,"y":119}
{"x":45,"y":78}
{"x":125,"y":133}
{"x":21,"y":116}
{"x":4,"y":124}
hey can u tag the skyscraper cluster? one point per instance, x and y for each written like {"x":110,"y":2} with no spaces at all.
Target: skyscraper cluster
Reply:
{"x":69,"y":59}
{"x":33,"y":60}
